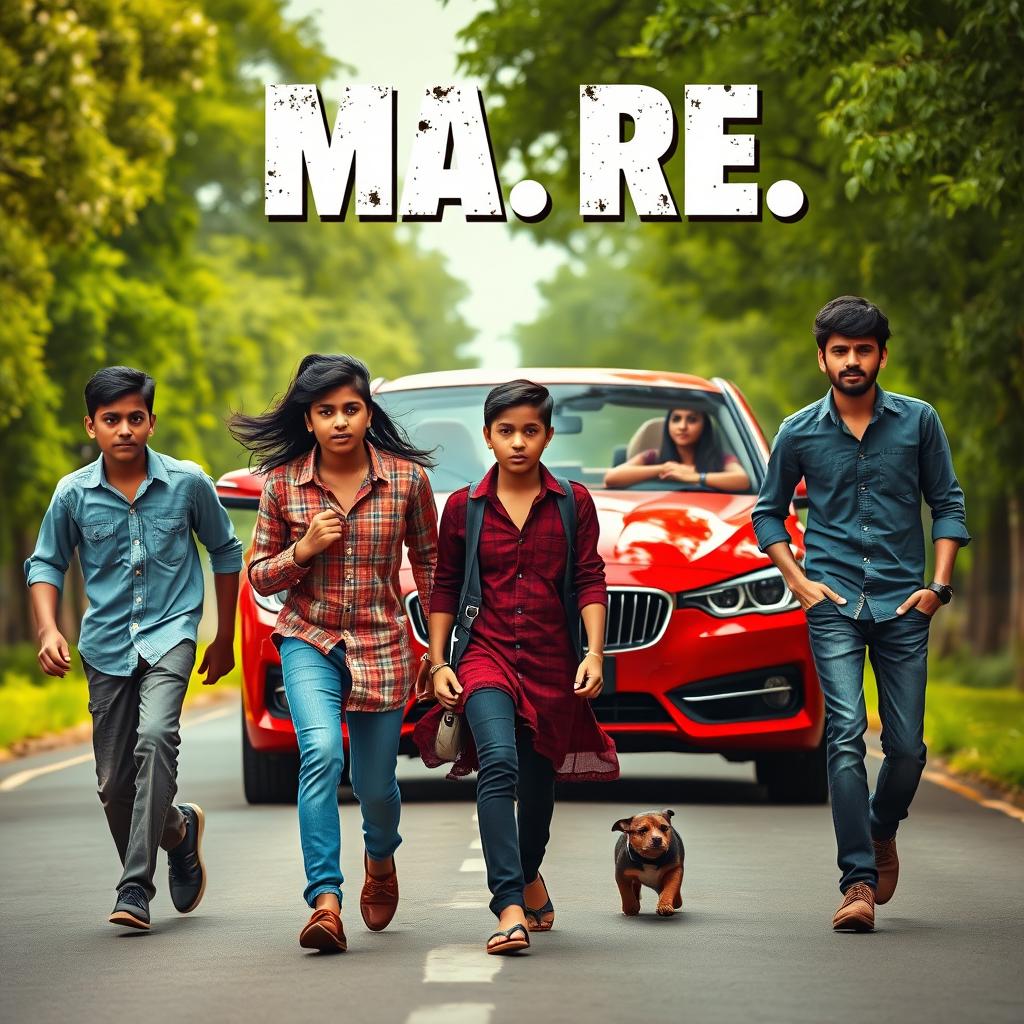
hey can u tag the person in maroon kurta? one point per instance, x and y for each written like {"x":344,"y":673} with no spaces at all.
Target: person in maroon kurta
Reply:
{"x":523,"y":692}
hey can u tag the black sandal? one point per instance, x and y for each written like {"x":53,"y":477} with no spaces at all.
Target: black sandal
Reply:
{"x":533,"y":917}
{"x":510,"y":945}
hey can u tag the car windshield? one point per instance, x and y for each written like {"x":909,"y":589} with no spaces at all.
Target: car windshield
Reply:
{"x":596,"y":427}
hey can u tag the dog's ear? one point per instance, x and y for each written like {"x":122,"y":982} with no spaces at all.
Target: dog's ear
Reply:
{"x":669,"y":814}
{"x":622,"y":825}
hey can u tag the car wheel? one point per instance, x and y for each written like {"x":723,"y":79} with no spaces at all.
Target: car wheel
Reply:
{"x":796,"y":778}
{"x":268,"y":778}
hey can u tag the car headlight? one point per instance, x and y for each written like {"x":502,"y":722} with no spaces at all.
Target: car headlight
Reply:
{"x":763,"y":592}
{"x":272,"y":603}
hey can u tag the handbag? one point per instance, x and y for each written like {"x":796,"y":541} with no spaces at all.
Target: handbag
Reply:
{"x":449,"y":738}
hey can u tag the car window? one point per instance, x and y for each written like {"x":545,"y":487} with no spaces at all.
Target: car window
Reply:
{"x":594,"y":427}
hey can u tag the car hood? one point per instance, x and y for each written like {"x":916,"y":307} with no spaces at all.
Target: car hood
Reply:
{"x":690,"y":538}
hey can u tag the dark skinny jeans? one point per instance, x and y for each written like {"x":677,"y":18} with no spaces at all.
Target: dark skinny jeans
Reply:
{"x":509,"y":768}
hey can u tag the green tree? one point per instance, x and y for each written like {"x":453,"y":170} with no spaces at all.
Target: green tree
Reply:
{"x":131,"y":168}
{"x":905,"y":127}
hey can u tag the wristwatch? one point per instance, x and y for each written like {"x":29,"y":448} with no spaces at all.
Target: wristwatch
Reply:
{"x":944,"y":590}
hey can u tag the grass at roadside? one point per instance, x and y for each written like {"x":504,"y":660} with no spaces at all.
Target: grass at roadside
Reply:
{"x":978,"y":731}
{"x":35,"y":704}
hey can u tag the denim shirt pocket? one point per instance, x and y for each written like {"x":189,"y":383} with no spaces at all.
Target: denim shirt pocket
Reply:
{"x":170,"y":539}
{"x":899,"y":473}
{"x":98,"y":548}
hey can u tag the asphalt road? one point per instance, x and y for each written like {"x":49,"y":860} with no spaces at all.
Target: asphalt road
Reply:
{"x":752,"y":943}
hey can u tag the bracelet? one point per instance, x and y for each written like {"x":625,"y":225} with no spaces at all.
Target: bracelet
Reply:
{"x":594,"y":654}
{"x":703,"y":479}
{"x":437,"y":668}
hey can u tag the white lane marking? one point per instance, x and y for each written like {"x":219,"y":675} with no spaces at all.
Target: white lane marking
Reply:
{"x":473,"y":864}
{"x":452,"y":1013}
{"x":466,"y":904}
{"x":20,"y":778}
{"x":476,"y":845}
{"x":460,"y":964}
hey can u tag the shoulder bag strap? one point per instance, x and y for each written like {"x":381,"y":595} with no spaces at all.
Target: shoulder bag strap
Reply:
{"x":470,"y":596}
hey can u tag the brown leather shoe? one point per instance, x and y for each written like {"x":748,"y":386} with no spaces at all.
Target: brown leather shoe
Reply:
{"x":324,"y":932}
{"x":857,"y":911}
{"x":379,"y":899}
{"x":888,"y":865}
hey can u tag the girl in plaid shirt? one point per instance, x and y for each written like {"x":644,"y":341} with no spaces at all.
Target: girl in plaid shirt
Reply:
{"x":344,"y":491}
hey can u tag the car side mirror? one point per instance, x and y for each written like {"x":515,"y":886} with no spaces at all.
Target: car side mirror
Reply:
{"x":800,"y":495}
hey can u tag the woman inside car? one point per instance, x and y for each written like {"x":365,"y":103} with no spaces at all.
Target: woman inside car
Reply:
{"x":690,"y":453}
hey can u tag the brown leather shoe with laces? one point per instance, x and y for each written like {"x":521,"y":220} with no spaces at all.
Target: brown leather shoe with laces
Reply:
{"x":379,"y":898}
{"x":857,"y":911}
{"x":888,"y":865}
{"x":324,"y":932}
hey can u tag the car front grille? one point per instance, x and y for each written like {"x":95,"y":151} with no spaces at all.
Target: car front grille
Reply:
{"x":637,"y":617}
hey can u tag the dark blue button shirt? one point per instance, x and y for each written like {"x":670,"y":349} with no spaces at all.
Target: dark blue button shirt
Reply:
{"x":864,"y":535}
{"x":140,"y":563}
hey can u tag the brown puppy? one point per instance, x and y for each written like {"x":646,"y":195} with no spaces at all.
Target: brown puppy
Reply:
{"x":650,"y":853}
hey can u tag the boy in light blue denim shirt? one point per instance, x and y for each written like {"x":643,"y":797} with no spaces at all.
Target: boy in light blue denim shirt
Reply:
{"x":131,"y":515}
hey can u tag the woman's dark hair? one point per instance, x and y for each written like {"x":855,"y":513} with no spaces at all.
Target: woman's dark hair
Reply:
{"x":280,"y":434}
{"x":708,"y":458}
{"x":114,"y":382}
{"x":852,"y":317}
{"x":518,"y":392}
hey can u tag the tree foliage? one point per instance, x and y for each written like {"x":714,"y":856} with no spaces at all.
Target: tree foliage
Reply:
{"x":903,"y":122}
{"x":131,"y":213}
{"x":131,"y":171}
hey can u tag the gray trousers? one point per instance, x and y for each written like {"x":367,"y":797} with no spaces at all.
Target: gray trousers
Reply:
{"x":135,"y":739}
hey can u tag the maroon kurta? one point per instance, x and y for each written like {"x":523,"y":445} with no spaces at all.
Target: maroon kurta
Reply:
{"x":520,"y":641}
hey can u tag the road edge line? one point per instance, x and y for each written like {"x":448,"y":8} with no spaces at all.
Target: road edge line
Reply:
{"x":954,"y":785}
{"x":18,"y":779}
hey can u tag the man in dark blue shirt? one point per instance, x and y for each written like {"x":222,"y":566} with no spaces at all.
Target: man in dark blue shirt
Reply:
{"x":868,"y":457}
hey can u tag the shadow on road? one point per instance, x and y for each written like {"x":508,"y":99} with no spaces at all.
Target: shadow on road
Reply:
{"x":647,"y":790}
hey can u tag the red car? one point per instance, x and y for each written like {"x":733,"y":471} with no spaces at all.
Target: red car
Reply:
{"x":707,"y":650}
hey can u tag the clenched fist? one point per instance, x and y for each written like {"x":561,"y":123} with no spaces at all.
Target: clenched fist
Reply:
{"x":324,"y":529}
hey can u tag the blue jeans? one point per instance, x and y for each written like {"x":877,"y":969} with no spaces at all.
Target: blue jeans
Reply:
{"x":898,"y":649}
{"x":316,"y":687}
{"x":513,"y":844}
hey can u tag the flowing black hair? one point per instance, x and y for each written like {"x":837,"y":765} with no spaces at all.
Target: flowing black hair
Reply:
{"x":280,"y":434}
{"x":708,"y":458}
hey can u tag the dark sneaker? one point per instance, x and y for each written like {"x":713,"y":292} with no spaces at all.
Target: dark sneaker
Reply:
{"x":888,"y":865}
{"x":187,"y":874}
{"x":857,"y":911}
{"x":131,"y":909}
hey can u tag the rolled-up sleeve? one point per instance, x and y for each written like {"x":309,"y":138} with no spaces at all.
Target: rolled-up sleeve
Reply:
{"x":451,"y":555}
{"x":939,"y":484}
{"x":421,"y":538}
{"x":272,"y":565}
{"x":55,"y":545}
{"x":591,"y":587}
{"x":214,"y":528}
{"x":772,"y":506}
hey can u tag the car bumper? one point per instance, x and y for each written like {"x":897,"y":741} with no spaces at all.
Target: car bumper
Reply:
{"x":698,"y":689}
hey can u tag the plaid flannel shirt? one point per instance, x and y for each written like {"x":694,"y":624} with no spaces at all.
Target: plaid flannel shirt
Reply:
{"x":350,"y":593}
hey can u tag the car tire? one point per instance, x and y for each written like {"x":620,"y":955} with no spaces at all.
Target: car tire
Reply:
{"x":268,"y":778}
{"x":795,"y":778}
